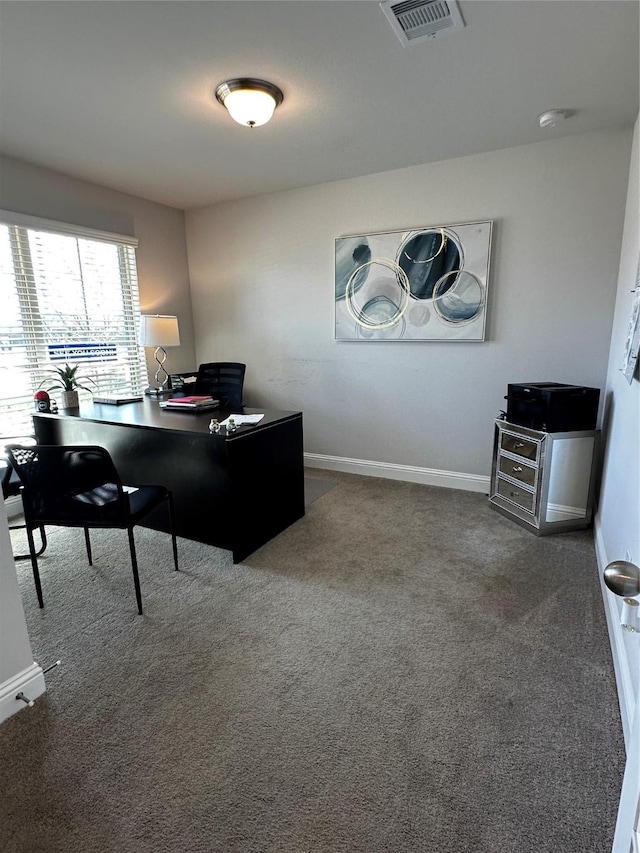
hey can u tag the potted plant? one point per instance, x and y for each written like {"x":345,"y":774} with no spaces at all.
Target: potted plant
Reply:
{"x":66,"y":378}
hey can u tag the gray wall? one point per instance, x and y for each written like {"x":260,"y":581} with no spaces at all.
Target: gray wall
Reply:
{"x":161,"y":255}
{"x":262,"y":288}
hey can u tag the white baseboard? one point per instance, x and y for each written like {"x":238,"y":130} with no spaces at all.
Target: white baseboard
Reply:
{"x":30,"y":682}
{"x":406,"y":473}
{"x":621,"y":665}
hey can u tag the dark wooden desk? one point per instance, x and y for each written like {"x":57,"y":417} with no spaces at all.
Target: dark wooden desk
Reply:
{"x":235,"y":492}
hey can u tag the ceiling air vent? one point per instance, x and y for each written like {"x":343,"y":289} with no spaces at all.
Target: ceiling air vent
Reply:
{"x":417,"y":20}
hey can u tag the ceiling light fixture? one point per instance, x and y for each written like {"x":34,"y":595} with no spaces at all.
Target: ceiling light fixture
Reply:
{"x":249,"y":102}
{"x":552,"y":117}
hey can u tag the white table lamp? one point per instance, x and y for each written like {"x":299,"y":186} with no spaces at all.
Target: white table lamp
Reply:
{"x":159,"y":331}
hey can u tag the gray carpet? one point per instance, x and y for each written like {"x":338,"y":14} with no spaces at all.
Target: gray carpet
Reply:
{"x":403,"y":670}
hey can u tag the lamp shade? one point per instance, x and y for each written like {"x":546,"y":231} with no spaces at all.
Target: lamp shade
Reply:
{"x":250,"y":108}
{"x":159,"y":330}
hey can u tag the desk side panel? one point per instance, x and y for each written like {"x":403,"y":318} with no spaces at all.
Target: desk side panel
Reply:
{"x":267,"y":474}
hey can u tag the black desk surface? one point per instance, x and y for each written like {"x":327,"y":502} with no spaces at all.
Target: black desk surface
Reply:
{"x":147,"y":414}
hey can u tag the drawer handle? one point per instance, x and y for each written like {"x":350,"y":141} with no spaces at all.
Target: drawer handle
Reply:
{"x":515,"y":494}
{"x":517,"y":468}
{"x":519,"y":444}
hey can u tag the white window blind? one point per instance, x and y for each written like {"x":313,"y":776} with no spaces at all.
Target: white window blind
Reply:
{"x":67,"y":296}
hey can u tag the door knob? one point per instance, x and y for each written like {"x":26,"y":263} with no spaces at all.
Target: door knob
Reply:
{"x":623,"y":579}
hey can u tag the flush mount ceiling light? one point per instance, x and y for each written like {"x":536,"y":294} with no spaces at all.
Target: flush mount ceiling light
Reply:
{"x":552,"y":117}
{"x":249,"y":102}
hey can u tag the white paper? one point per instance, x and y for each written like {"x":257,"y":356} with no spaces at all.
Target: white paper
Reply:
{"x":242,"y":419}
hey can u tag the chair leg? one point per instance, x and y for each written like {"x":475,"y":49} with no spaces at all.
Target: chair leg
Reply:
{"x":172,"y":528}
{"x":134,"y":567}
{"x":87,"y":542}
{"x":43,"y":538}
{"x":41,"y":549}
{"x":34,"y":565}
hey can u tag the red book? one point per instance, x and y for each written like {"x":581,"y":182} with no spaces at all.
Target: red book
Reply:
{"x":187,"y":400}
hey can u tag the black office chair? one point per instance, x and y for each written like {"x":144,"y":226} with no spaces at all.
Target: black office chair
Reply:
{"x":79,"y":486}
{"x":224,"y":381}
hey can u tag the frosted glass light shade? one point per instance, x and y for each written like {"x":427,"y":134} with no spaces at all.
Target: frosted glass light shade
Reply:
{"x":250,"y":108}
{"x":249,"y":102}
{"x":159,"y":330}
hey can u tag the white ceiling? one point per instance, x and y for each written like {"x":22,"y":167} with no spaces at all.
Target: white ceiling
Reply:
{"x":121,"y":93}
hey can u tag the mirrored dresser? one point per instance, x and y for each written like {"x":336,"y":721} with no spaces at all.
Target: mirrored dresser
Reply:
{"x":544,"y":481}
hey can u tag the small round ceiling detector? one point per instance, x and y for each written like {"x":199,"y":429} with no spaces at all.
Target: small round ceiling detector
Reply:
{"x":551,"y":118}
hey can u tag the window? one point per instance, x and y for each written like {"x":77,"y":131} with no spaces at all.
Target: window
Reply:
{"x":68,"y":295}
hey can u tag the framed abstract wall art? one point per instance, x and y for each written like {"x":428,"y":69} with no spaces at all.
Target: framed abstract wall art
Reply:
{"x":632,"y":344}
{"x":425,"y":284}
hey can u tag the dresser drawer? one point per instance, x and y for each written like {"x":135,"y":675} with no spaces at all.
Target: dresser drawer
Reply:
{"x":519,"y":445}
{"x":516,"y":495}
{"x":518,"y":470}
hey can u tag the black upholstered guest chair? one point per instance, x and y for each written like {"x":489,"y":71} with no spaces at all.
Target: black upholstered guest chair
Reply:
{"x":79,"y":486}
{"x":223,"y":380}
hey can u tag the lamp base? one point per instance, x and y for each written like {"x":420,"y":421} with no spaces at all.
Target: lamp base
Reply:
{"x":157,"y":392}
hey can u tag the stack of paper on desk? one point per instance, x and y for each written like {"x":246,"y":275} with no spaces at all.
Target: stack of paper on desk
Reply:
{"x":243,"y":419}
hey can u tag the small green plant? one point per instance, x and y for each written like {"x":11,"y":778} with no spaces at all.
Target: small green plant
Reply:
{"x":66,"y":378}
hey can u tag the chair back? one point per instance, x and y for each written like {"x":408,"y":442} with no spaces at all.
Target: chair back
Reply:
{"x":223,"y":380}
{"x":11,"y":485}
{"x":10,"y":481}
{"x":74,"y":485}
